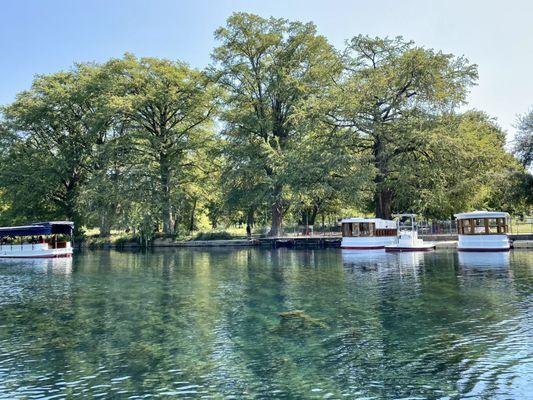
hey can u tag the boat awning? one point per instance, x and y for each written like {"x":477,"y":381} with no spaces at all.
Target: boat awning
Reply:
{"x":58,"y":227}
{"x":482,"y":214}
{"x":39,"y":229}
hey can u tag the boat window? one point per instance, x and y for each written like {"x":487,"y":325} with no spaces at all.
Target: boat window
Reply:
{"x":386,"y":232}
{"x":356,"y":229}
{"x":492,"y":225}
{"x":346,"y":230}
{"x":366,"y":229}
{"x":482,"y":226}
{"x":465,"y":227}
{"x":502,"y":225}
{"x":479,"y":225}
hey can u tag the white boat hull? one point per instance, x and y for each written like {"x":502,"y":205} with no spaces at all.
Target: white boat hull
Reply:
{"x":41,"y":250}
{"x":409,"y":241}
{"x":421,"y":247}
{"x":367,"y":243}
{"x":483,"y":243}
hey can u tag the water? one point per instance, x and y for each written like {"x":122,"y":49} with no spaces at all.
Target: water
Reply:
{"x":206,"y":324}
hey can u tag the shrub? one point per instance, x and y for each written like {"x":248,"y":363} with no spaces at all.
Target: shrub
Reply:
{"x":217,"y":235}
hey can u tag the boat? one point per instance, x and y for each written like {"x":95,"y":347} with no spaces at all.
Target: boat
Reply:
{"x":40,"y":240}
{"x":408,"y":239}
{"x":483,"y":231}
{"x":367,"y":233}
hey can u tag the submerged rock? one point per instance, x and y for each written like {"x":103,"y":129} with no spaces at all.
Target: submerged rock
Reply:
{"x":296,"y":319}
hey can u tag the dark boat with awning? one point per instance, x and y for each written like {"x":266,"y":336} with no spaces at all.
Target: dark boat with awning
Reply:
{"x":39,"y":240}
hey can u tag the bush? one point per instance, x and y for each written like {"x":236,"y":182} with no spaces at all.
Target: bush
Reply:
{"x":123,"y":240}
{"x":220,"y":235}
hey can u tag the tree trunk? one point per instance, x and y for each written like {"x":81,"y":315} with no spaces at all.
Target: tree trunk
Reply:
{"x":68,"y":203}
{"x":250,"y":220}
{"x":383,"y":196}
{"x":312,"y":216}
{"x":193,"y":210}
{"x":277,"y":219}
{"x":166,"y":206}
{"x":383,"y":203}
{"x":105,"y":226}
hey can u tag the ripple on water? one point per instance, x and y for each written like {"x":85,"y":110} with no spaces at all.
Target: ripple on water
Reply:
{"x":198,"y":323}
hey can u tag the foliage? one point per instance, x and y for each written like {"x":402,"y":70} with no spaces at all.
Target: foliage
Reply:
{"x":216,"y":235}
{"x":457,"y":165}
{"x":281,"y":127}
{"x":167,"y":108}
{"x":389,"y":89}
{"x":523,"y":147}
{"x":58,"y":127}
{"x":270,"y":68}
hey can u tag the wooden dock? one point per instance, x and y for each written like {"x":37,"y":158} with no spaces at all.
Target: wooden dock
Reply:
{"x":300,"y":242}
{"x":318,"y":242}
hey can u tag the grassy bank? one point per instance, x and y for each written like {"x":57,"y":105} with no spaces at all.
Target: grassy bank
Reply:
{"x":92,"y":239}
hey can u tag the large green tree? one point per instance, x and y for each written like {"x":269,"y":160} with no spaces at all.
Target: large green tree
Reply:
{"x":270,"y":68}
{"x":56,"y":130}
{"x":167,"y":109}
{"x":458,"y":164}
{"x":389,"y":88}
{"x":112,"y":194}
{"x":326,"y":177}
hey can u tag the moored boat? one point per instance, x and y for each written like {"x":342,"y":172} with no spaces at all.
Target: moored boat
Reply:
{"x":483,"y":231}
{"x":40,"y":240}
{"x":408,"y":239}
{"x":367,"y":233}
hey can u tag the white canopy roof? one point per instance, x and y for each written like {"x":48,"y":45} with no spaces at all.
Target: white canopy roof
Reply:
{"x":482,"y":214}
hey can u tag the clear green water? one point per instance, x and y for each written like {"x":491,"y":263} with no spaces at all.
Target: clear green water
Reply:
{"x":206,"y":323}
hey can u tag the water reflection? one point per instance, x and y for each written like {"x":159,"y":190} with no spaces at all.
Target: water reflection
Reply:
{"x":410,"y":259}
{"x":366,"y":258}
{"x":207,"y":323}
{"x":487,"y":260}
{"x":61,"y":265}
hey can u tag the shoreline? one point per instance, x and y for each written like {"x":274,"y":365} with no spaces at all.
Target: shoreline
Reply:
{"x":522,"y":241}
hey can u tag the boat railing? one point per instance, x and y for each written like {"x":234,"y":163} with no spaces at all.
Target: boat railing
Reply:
{"x":33,"y":246}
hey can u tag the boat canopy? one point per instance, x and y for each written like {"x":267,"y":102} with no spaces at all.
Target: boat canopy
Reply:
{"x":482,"y":214}
{"x":39,"y":229}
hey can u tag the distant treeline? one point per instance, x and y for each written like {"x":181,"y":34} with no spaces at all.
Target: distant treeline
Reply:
{"x":281,"y":126}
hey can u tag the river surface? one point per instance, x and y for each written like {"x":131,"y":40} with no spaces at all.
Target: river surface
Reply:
{"x":207,"y":324}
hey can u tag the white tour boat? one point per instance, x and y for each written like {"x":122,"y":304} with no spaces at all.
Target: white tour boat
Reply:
{"x":38,"y":240}
{"x":367,"y":233}
{"x":408,"y":236}
{"x":483,"y":231}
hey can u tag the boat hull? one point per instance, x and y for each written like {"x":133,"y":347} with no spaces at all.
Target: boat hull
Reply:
{"x":367,"y":243}
{"x":37,"y":256}
{"x":482,"y":250}
{"x":481,"y":243}
{"x":362,"y":247}
{"x":405,"y":248}
{"x":408,"y":241}
{"x":41,"y":250}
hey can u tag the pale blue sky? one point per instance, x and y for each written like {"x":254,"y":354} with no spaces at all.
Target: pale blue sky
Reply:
{"x":46,"y":36}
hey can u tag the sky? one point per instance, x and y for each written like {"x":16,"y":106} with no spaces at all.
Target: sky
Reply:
{"x":39,"y":37}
